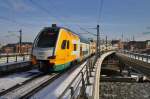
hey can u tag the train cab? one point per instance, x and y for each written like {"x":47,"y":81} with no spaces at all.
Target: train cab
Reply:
{"x":55,"y":48}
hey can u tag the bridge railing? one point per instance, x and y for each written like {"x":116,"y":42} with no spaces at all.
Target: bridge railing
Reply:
{"x":77,"y":88}
{"x":138,"y":56}
{"x":9,"y":58}
{"x":85,"y":84}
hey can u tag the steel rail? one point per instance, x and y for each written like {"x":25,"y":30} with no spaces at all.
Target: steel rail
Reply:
{"x":18,"y":85}
{"x":25,"y":90}
{"x":55,"y":76}
{"x":32,"y":91}
{"x":41,"y":86}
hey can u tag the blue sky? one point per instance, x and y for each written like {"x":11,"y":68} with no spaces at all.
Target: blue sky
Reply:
{"x":130,"y":17}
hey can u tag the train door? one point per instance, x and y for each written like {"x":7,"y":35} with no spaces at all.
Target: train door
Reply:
{"x":64,"y":50}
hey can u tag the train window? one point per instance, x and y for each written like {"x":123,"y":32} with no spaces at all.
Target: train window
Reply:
{"x":63,"y":45}
{"x":68,"y":44}
{"x":75,"y":47}
{"x":47,"y":38}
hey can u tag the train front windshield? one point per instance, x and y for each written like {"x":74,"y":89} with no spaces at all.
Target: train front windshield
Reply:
{"x":47,"y":38}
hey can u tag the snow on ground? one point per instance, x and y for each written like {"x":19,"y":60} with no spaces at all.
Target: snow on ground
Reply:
{"x":11,"y":80}
{"x":89,"y":89}
{"x":55,"y":89}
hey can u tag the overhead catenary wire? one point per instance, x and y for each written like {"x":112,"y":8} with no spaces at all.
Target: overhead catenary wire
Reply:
{"x":87,"y":31}
{"x":46,"y":11}
{"x":64,"y":17}
{"x":14,"y":21}
{"x":79,"y":26}
{"x":8,"y":19}
{"x":99,"y":10}
{"x":100,"y":6}
{"x":99,"y":16}
{"x":43,"y":9}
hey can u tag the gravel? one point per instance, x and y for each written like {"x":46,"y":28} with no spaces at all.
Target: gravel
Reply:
{"x":123,"y":90}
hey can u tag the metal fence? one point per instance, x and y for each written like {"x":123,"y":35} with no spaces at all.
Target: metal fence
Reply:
{"x":138,"y":56}
{"x":85,"y":85}
{"x":77,"y":88}
{"x":9,"y":58}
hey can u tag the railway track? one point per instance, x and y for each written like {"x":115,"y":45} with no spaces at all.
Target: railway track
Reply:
{"x":30,"y":87}
{"x":19,"y":84}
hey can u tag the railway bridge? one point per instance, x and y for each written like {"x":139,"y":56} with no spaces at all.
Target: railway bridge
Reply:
{"x":114,"y":74}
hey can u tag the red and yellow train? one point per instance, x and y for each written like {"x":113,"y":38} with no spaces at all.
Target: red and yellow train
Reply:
{"x":56,"y":48}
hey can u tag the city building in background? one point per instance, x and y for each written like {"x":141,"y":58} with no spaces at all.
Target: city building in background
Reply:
{"x":134,"y":46}
{"x":138,"y":46}
{"x":117,"y":44}
{"x":14,"y":48}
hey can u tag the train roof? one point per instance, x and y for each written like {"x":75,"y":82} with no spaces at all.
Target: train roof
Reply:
{"x":82,"y":39}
